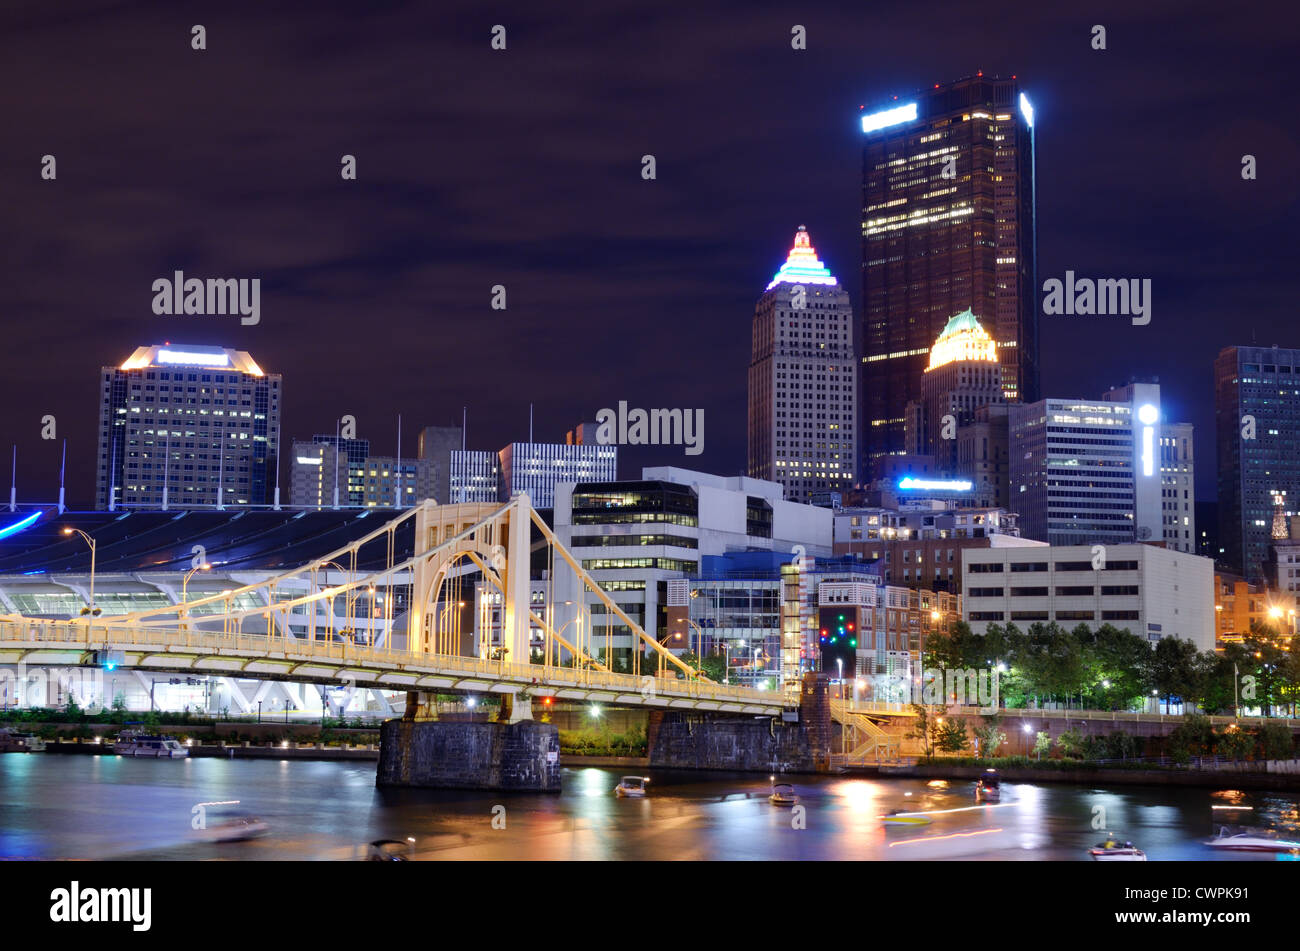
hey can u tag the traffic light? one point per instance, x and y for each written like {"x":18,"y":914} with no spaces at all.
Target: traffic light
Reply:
{"x":838,"y":643}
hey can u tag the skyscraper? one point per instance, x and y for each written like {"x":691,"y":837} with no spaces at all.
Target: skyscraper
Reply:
{"x":963,"y":375}
{"x":1104,"y":471}
{"x":1256,"y":414}
{"x":947,"y":225}
{"x":537,"y":468}
{"x":803,"y":379}
{"x":187,"y":426}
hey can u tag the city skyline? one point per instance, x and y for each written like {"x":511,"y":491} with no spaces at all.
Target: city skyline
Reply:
{"x":348,"y":299}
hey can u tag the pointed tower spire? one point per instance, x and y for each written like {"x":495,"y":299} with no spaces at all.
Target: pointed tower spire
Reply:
{"x":802,"y":265}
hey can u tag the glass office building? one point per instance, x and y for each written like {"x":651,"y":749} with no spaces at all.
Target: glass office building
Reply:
{"x":948,"y":225}
{"x":187,"y":426}
{"x":1257,"y":415}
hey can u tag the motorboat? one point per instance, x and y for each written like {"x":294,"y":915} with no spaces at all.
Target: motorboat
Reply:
{"x":632,"y":787}
{"x":1113,"y":850}
{"x":899,"y":818}
{"x":11,"y":741}
{"x":222,"y":825}
{"x":783,"y":794}
{"x":989,"y":788}
{"x":1251,"y":840}
{"x":136,"y":743}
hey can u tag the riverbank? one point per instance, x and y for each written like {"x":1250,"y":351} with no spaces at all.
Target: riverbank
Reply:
{"x":1097,"y":775}
{"x":303,"y":751}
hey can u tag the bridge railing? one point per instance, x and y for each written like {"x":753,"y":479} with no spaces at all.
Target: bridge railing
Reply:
{"x":1116,"y":716}
{"x":346,"y":654}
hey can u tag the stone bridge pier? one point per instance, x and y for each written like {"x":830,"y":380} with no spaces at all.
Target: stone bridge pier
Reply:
{"x":799,"y":742}
{"x":514,"y":753}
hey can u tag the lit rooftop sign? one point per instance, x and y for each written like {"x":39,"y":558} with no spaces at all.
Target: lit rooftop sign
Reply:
{"x":1026,"y":110}
{"x":937,"y":485}
{"x":888,"y":117}
{"x":191,"y":358}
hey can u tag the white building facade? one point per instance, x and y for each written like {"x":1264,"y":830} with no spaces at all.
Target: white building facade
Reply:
{"x":1152,"y":591}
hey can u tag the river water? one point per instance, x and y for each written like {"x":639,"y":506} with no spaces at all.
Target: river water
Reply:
{"x":110,"y":807}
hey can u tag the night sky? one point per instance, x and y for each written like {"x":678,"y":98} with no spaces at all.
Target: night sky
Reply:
{"x":523,"y":168}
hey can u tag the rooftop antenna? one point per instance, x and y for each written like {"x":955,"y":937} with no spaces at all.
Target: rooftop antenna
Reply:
{"x":337,"y":431}
{"x":530,"y":422}
{"x":276,"y":506}
{"x":63,"y":468}
{"x":167,"y":463}
{"x":13,"y":482}
{"x":398,"y":499}
{"x":464,"y":422}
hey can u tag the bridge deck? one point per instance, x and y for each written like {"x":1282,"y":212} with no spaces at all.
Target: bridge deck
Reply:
{"x":28,"y":641}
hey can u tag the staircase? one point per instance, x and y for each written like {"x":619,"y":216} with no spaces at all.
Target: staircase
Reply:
{"x":863,"y":739}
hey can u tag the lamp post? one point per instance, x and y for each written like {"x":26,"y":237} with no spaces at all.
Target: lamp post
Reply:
{"x":184,"y":584}
{"x":699,"y":650}
{"x":675,"y":636}
{"x":91,"y":610}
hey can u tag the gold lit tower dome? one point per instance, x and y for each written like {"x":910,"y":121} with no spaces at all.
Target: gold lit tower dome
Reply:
{"x":963,"y":375}
{"x":962,"y":339}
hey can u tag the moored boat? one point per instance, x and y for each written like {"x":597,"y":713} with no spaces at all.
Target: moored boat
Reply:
{"x":11,"y":741}
{"x":136,"y":743}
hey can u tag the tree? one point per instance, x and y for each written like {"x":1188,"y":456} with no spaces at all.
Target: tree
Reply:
{"x":990,"y":736}
{"x":952,"y":736}
{"x":923,"y":728}
{"x":1071,"y":744}
{"x":1042,"y":743}
{"x":1234,"y":743}
{"x":1193,"y":737}
{"x":1276,"y":741}
{"x":1121,"y":663}
{"x":1121,"y":745}
{"x":1175,"y":668}
{"x":119,"y":703}
{"x":714,"y":665}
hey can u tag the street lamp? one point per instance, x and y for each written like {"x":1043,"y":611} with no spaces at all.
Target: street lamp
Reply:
{"x":1027,"y":730}
{"x":699,"y":651}
{"x":184,"y":583}
{"x":90,"y":611}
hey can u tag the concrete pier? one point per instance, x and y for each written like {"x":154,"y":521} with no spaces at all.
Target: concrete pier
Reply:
{"x":755,"y":744}
{"x":523,"y":756}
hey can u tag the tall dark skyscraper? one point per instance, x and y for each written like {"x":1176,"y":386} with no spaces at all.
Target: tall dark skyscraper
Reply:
{"x":947,"y":225}
{"x":1256,"y":417}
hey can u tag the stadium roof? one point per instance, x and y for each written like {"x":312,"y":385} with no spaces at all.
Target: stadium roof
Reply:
{"x":246,"y":540}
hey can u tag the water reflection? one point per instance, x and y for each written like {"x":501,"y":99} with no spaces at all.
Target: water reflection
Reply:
{"x":54,"y":806}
